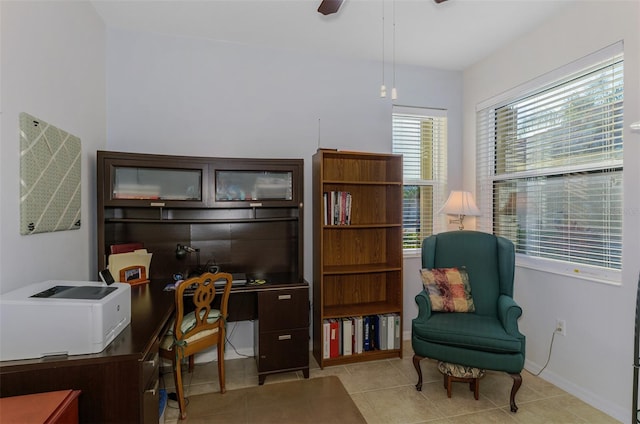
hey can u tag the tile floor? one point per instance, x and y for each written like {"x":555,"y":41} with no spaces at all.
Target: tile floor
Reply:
{"x":385,"y":394}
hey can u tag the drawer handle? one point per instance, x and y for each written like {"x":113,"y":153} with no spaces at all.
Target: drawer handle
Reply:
{"x":284,"y":297}
{"x":155,"y":388}
{"x":153,"y":361}
{"x":285,"y":337}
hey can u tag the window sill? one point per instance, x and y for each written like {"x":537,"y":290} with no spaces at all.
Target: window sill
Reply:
{"x":583,"y":272}
{"x":411,"y":253}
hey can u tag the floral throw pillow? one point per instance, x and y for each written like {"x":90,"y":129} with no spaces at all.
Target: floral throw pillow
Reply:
{"x":449,"y":289}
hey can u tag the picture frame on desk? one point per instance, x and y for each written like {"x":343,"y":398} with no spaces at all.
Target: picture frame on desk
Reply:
{"x":136,"y":274}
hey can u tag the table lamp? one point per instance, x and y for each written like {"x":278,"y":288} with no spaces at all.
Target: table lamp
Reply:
{"x":460,"y":203}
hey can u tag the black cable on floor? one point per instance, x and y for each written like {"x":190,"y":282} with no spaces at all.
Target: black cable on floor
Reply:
{"x":228,"y":340}
{"x":553,"y":336}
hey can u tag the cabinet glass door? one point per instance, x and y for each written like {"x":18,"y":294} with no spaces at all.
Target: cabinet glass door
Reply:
{"x":233,"y":186}
{"x":141,"y":183}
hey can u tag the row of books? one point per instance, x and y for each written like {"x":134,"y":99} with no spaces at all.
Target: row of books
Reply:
{"x":354,"y":335}
{"x":337,"y":207}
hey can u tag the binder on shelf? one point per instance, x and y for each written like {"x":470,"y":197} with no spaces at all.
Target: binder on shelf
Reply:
{"x":382,"y":331}
{"x":374,"y":332}
{"x":326,"y":339}
{"x":358,"y":335}
{"x":366,"y":333}
{"x":397,"y":332}
{"x":391,"y":328}
{"x":334,"y":345}
{"x":347,"y":337}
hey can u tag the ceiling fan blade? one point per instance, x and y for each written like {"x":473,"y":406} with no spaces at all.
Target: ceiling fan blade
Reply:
{"x":327,"y":7}
{"x":439,"y":1}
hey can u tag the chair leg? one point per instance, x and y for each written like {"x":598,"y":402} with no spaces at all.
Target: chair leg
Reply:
{"x":192,"y":362}
{"x":416,"y":364}
{"x":517,"y":382}
{"x":177,"y":376}
{"x":221,"y":376}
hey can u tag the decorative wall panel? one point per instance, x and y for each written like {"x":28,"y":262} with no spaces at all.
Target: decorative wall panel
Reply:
{"x":49,"y":177}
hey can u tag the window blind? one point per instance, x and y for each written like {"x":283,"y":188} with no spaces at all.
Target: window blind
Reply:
{"x":420,"y":135}
{"x":549,"y":167}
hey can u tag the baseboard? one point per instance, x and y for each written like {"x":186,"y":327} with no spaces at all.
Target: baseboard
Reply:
{"x":406,"y":335}
{"x":613,"y":410}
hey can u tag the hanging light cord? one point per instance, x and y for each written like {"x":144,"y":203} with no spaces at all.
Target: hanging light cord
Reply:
{"x":393,"y":88}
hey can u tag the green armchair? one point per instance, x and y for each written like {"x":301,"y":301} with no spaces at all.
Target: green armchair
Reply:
{"x":487,"y":338}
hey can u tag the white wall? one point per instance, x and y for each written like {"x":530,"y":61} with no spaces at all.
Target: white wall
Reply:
{"x":53,"y":67}
{"x":180,"y":95}
{"x":594,"y":360}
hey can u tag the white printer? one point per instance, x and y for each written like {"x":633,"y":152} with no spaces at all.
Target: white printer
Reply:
{"x":62,"y":318}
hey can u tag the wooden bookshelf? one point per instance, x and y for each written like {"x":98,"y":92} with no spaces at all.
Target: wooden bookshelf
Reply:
{"x":357,"y":268}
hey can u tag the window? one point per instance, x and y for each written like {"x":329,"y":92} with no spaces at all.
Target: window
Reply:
{"x":420,"y":135}
{"x":550,"y":168}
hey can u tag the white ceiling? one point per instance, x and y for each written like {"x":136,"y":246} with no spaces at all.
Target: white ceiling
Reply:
{"x":451,"y":35}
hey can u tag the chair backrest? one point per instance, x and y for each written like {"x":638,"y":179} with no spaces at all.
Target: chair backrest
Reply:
{"x":488,"y":259}
{"x":204,"y":294}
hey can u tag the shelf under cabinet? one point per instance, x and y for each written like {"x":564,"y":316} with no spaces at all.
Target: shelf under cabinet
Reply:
{"x":196,"y":221}
{"x":356,"y":183}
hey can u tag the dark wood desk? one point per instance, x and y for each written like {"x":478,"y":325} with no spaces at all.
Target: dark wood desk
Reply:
{"x":120,"y":384}
{"x":281,"y":331}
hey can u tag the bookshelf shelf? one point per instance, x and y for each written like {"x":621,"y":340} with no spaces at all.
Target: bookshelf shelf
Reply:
{"x":357,"y":267}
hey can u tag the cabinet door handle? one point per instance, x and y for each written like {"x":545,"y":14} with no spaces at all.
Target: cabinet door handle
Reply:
{"x":284,"y":297}
{"x":285,"y":337}
{"x":155,"y":388}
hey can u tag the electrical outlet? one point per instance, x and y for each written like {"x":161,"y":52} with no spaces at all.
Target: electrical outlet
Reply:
{"x":561,"y":327}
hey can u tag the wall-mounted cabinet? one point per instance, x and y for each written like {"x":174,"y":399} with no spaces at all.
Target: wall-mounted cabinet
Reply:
{"x":357,"y":265}
{"x":242,"y":214}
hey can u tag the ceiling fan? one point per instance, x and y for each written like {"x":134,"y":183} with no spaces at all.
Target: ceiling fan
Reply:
{"x":327,"y":7}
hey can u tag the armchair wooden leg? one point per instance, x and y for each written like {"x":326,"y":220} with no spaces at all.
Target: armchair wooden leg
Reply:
{"x":517,"y":382}
{"x":416,"y":364}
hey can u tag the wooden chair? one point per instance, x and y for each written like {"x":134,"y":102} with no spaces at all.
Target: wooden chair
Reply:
{"x":198,"y":330}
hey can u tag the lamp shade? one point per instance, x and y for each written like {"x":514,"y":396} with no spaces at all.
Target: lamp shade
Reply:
{"x":460,"y":203}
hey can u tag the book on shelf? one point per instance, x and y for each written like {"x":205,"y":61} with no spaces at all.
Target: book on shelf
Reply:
{"x":337,"y":207}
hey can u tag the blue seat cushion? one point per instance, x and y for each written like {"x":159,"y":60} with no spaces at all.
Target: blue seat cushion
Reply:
{"x":467,"y":331}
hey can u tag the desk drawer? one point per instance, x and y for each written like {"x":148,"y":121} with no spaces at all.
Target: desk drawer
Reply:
{"x":282,"y":350}
{"x":281,"y":309}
